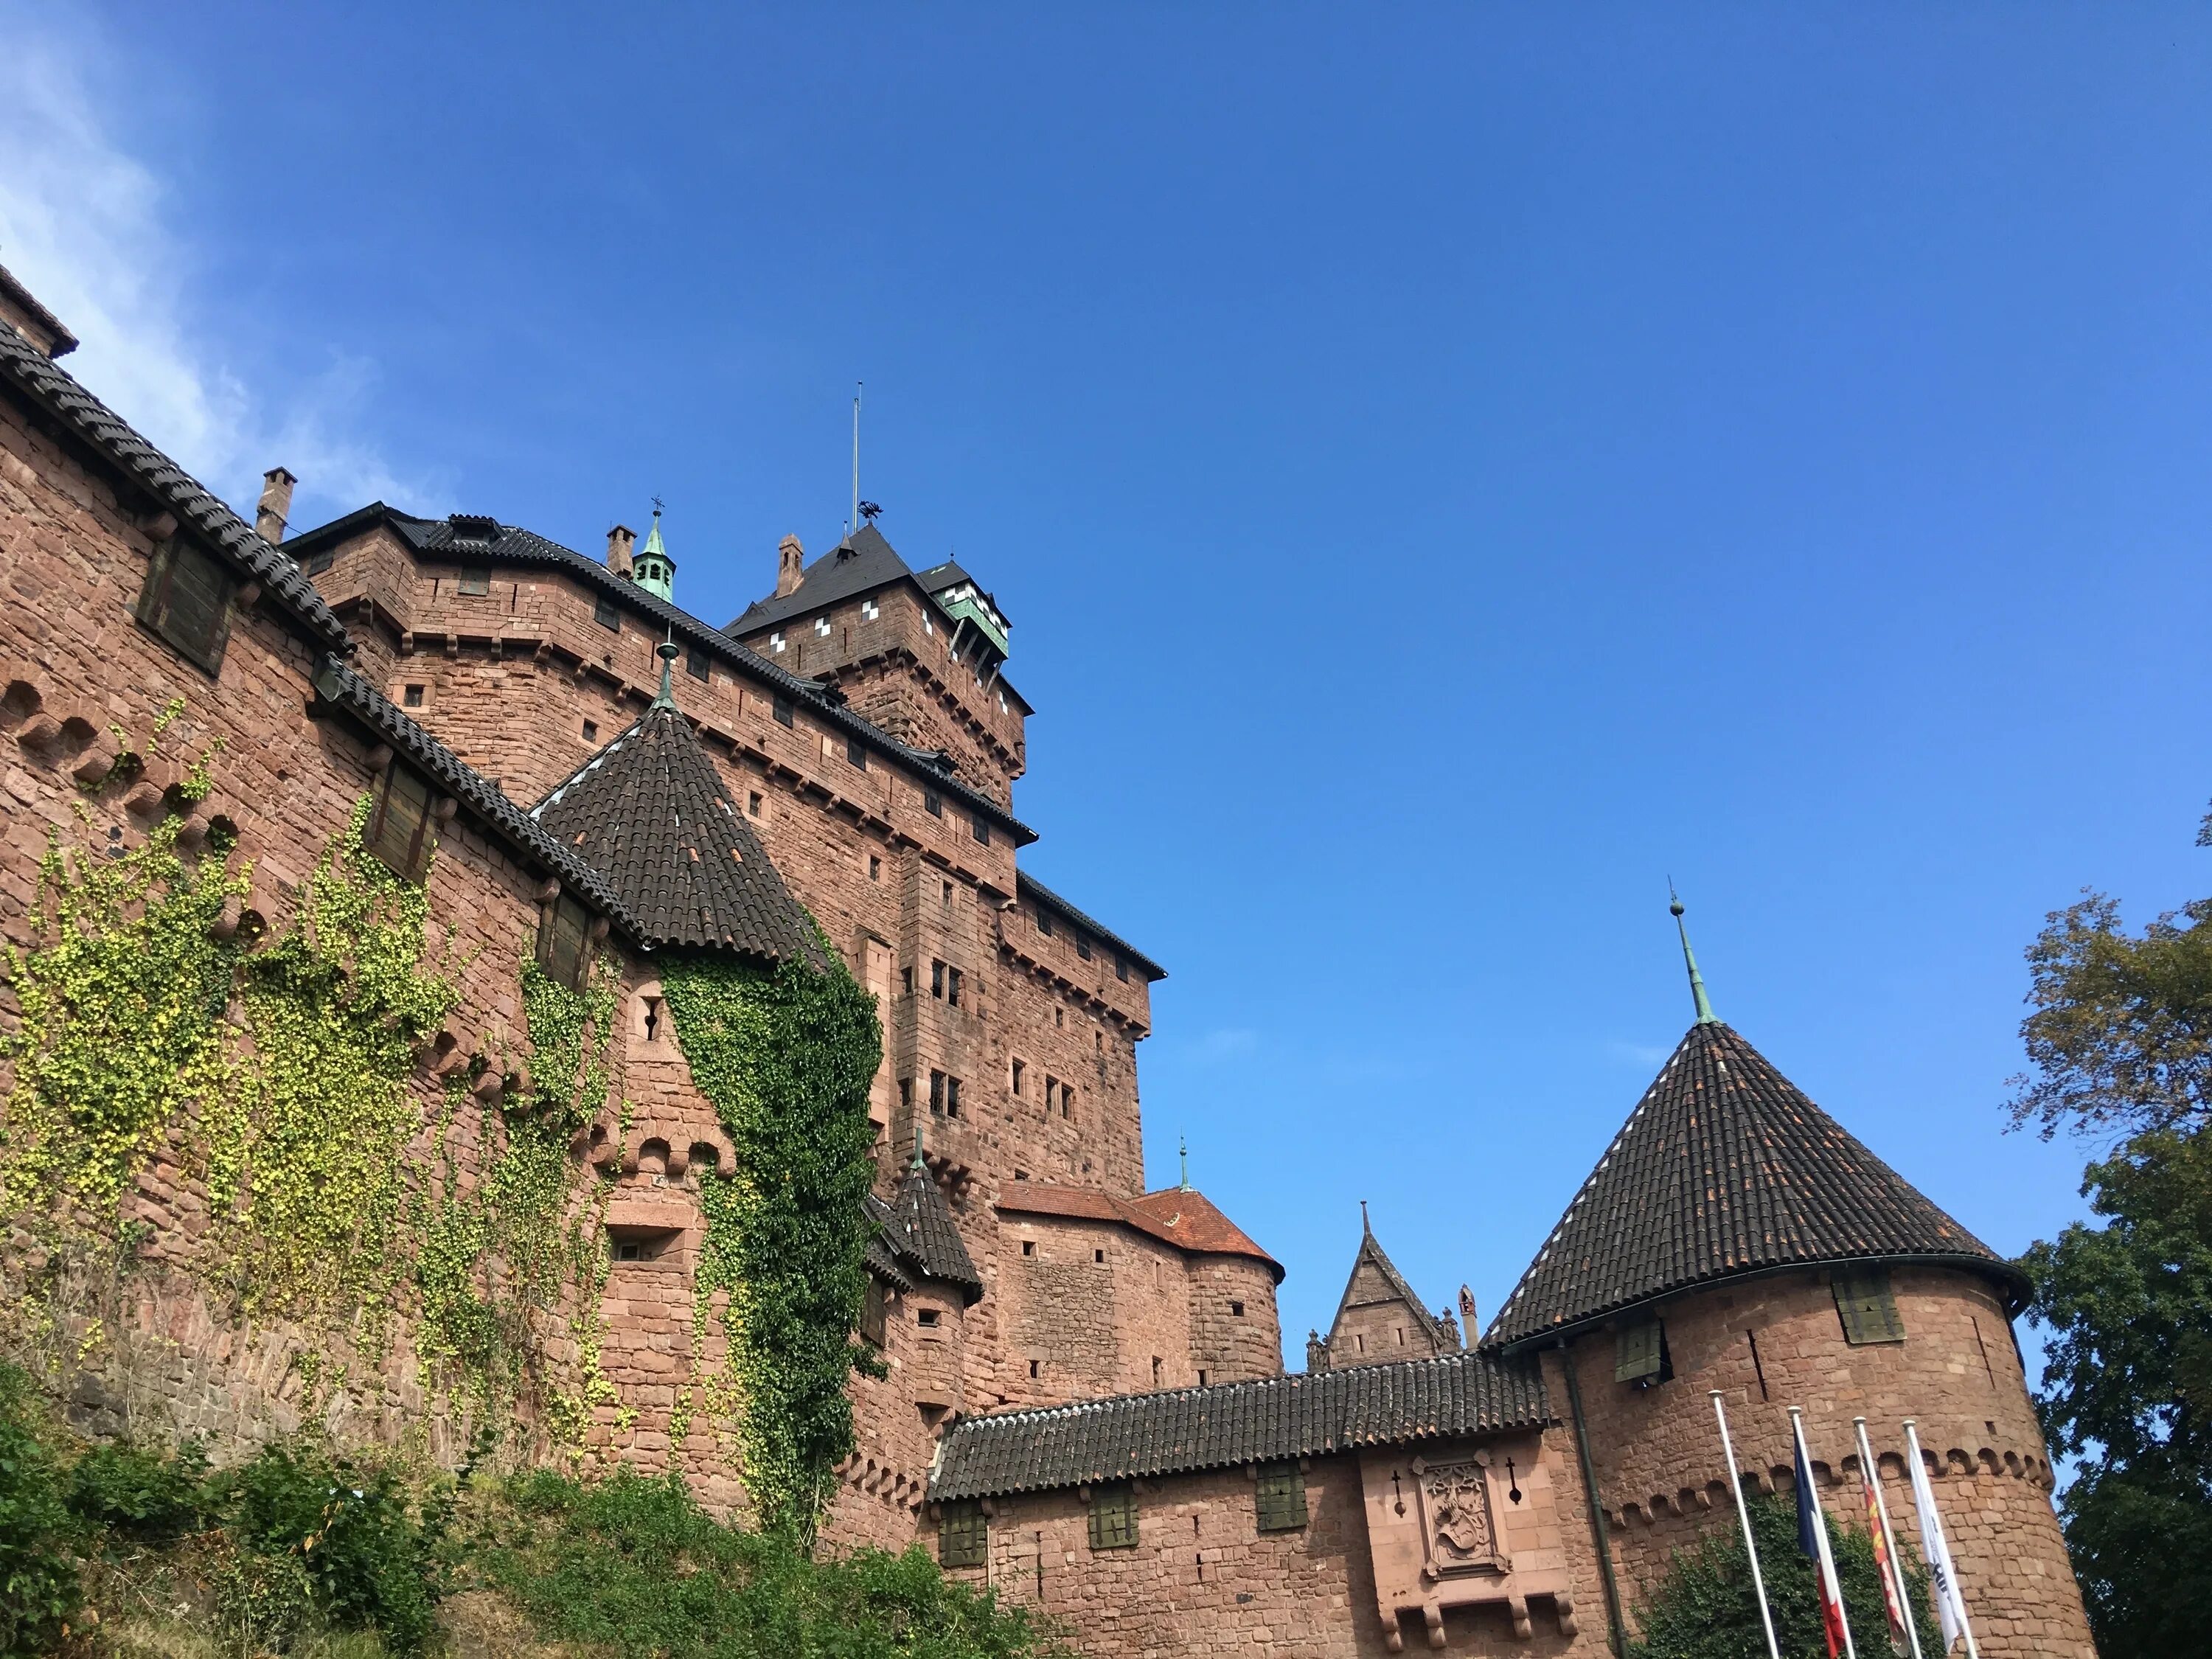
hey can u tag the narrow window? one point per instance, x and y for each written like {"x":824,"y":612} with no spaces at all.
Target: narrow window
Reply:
{"x":1044,"y":923}
{"x":1051,"y":1092}
{"x":1018,"y":1076}
{"x":1033,"y":1371}
{"x":1867,"y":1308}
{"x":1068,"y":1100}
{"x":906,"y":1093}
{"x":1098,"y":1255}
{"x":186,"y":601}
{"x":875,"y":1308}
{"x":1237,"y":1310}
{"x":963,"y":1536}
{"x":629,"y":1249}
{"x":875,"y":868}
{"x":1201,"y":1383}
{"x":952,"y":987}
{"x":781,"y":707}
{"x":1028,"y":1246}
{"x":400,"y":830}
{"x":932,"y":803}
{"x":653,"y":1019}
{"x":605,"y":614}
{"x":952,"y":1096}
{"x":937,"y":979}
{"x":856,"y":753}
{"x":564,"y":950}
{"x":592,"y":735}
{"x":698,"y":665}
{"x":926,"y":1318}
{"x":937,"y":1091}
{"x":979,"y":828}
{"x":321,"y":560}
{"x":1114,"y":1517}
{"x":1120,"y":968}
{"x":1640,"y":1354}
{"x":474,"y":582}
{"x":412,"y":697}
{"x":948,"y":896}
{"x":752,"y":796}
{"x":906,"y":981}
{"x":1157,"y":1370}
{"x":1083,"y":946}
{"x":1281,"y":1497}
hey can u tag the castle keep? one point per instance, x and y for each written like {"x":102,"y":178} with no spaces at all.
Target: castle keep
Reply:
{"x":1081,"y":1399}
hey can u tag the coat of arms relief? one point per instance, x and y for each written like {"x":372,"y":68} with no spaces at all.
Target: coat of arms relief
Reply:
{"x":1456,"y":1527}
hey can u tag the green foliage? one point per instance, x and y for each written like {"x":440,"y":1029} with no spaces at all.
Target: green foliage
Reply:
{"x":40,"y":1583}
{"x":1706,"y":1607}
{"x":785,"y":1057}
{"x":2127,"y":1390}
{"x":2120,"y":1030}
{"x":633,"y":1565}
{"x":139,"y":1494}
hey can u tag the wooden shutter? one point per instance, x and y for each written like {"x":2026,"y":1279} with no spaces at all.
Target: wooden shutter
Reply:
{"x":187,"y":600}
{"x":1114,"y":1517}
{"x":963,"y":1536}
{"x":1281,"y":1497}
{"x":1637,"y":1352}
{"x":1868,"y":1308}
{"x":400,"y":830}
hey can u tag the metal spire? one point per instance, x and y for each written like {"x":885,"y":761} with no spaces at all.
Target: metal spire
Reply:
{"x":920,"y":1162}
{"x":1366,"y":1230}
{"x":1183,"y":1149}
{"x":1705,"y":1015}
{"x":853,"y":524}
{"x":667,"y":651}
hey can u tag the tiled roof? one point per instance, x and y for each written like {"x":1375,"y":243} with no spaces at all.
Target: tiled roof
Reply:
{"x":1028,"y":887}
{"x":338,"y":685}
{"x":1725,"y":1167}
{"x":651,"y":814}
{"x":1176,"y":1215}
{"x":16,"y":295}
{"x":469,"y":539}
{"x":852,"y":568}
{"x":878,"y":1254}
{"x":31,"y":371}
{"x":1233,"y":1422}
{"x":922,"y":1232}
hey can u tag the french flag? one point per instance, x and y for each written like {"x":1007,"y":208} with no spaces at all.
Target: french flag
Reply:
{"x":1813,"y":1539}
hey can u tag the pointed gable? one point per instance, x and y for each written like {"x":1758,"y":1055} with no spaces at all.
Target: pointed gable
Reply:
{"x":650,"y":813}
{"x":919,"y":1227}
{"x":1725,"y":1167}
{"x":1379,"y":1319}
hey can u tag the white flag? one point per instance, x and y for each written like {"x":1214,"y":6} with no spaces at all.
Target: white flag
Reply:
{"x":1950,"y":1604}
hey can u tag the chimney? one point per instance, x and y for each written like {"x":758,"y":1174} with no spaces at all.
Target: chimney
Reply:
{"x":789,"y":558}
{"x":620,"y":540}
{"x":276,"y":504}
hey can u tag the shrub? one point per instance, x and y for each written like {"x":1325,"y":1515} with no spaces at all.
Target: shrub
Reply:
{"x":40,"y":1582}
{"x":139,"y":1492}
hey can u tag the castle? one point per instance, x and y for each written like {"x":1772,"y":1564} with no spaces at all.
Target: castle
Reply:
{"x":1082,"y":1401}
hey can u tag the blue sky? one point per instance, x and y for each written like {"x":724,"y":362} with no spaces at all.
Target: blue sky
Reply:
{"x":1448,"y":471}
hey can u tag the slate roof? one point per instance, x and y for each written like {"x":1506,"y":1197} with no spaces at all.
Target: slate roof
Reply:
{"x":1725,"y":1167}
{"x":1028,"y":887}
{"x":852,"y":568}
{"x":921,"y":1230}
{"x":470,"y":538}
{"x":1230,"y":1424}
{"x":1179,"y":1216}
{"x":31,"y":371}
{"x":651,"y":814}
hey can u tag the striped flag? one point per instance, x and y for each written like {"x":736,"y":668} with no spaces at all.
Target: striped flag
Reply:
{"x":1902,"y":1638}
{"x":1813,"y":1539}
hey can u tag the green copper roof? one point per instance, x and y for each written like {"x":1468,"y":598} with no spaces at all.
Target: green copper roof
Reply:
{"x":652,"y":569}
{"x":1705,"y":1015}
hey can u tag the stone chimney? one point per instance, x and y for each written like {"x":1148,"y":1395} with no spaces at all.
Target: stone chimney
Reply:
{"x":620,"y":540}
{"x":790,"y":559}
{"x":275,"y":508}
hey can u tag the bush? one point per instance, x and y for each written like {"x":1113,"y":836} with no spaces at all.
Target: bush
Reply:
{"x":634,"y":1564}
{"x":138,"y":1492}
{"x":344,"y":1538}
{"x":1706,"y":1609}
{"x":41,"y":1586}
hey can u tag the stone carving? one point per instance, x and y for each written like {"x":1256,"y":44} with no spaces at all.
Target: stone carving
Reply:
{"x":1455,"y":1520}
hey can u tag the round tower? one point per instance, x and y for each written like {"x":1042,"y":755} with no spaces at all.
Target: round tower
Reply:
{"x":1735,"y":1238}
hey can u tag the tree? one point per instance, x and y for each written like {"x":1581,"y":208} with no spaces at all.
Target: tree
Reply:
{"x":2120,"y":1035}
{"x":1706,"y":1607}
{"x":2126,"y":1387}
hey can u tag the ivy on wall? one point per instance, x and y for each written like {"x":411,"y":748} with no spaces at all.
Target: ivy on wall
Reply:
{"x":785,"y":1056}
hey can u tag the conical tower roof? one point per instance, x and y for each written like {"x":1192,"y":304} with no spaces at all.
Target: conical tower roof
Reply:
{"x":1726,"y":1168}
{"x":919,"y":1225}
{"x":650,"y":813}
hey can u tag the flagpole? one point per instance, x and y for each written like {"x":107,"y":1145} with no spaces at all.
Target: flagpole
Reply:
{"x":1933,"y":1548}
{"x":1743,"y":1515}
{"x":1826,"y":1561}
{"x":1871,"y":1473}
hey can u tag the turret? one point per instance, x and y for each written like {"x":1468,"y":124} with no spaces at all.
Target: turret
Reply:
{"x":652,"y":568}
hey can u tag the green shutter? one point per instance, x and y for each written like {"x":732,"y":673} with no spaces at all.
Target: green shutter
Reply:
{"x":963,"y":1536}
{"x":1114,"y":1518}
{"x":1636,"y":1352}
{"x":1282,"y":1498}
{"x":1867,"y":1308}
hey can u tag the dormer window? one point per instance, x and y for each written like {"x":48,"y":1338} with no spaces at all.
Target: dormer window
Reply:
{"x":186,"y":601}
{"x":401,"y":833}
{"x":776,"y":643}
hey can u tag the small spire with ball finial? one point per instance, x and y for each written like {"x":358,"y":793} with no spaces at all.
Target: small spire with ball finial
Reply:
{"x":1705,"y":1015}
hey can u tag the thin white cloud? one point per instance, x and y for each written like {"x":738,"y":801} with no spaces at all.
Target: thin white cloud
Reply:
{"x":1636,"y":1053}
{"x":88,"y":228}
